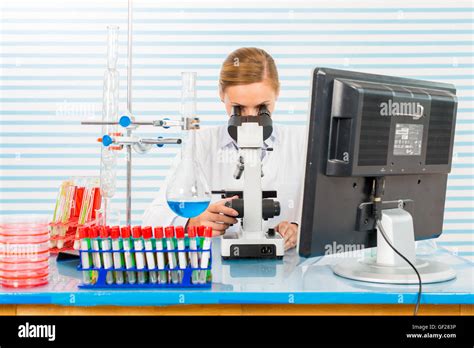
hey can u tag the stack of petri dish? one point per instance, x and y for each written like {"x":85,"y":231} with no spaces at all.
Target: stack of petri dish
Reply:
{"x":24,"y":251}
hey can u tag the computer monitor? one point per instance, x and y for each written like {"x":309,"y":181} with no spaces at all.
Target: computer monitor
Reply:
{"x":378,"y":148}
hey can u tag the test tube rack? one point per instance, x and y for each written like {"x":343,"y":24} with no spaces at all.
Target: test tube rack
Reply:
{"x":98,"y":275}
{"x":68,"y":216}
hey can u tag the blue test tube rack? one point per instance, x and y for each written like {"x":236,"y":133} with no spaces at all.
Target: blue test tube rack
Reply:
{"x":99,"y":274}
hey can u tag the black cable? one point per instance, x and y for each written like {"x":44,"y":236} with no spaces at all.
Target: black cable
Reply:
{"x":382,"y":232}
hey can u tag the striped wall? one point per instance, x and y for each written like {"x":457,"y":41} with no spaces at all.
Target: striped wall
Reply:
{"x":52,"y":61}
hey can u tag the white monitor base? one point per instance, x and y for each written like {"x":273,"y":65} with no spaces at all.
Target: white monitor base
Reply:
{"x":370,"y":271}
{"x":390,"y":268}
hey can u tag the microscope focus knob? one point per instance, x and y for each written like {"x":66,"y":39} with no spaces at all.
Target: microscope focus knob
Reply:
{"x":270,"y":208}
{"x":238,"y":205}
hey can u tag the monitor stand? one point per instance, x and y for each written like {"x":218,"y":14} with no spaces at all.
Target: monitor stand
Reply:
{"x":390,"y":268}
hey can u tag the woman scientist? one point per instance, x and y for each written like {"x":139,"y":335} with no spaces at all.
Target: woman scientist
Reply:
{"x":249,"y":79}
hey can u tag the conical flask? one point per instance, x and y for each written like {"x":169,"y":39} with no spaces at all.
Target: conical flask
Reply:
{"x":188,"y":193}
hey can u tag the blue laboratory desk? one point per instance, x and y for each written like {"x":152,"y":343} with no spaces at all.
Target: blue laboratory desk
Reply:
{"x":291,"y":280}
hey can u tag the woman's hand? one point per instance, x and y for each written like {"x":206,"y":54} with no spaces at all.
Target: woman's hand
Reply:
{"x":289,"y":232}
{"x":217,"y":216}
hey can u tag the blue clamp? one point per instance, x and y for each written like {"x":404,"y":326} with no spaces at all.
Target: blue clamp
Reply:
{"x":160,"y":145}
{"x":125,"y":121}
{"x":166,"y":127}
{"x":107,"y":140}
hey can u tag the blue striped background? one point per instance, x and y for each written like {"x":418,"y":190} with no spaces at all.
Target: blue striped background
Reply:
{"x":52,"y":61}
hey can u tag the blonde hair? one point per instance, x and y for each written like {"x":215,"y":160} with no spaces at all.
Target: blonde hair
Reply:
{"x":248,"y":65}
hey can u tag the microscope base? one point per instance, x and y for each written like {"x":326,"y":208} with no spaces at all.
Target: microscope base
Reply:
{"x":233,"y":246}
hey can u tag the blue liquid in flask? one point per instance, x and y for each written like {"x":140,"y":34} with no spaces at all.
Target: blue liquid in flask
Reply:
{"x":188,"y":209}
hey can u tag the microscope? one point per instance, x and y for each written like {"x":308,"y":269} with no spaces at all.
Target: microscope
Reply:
{"x":253,"y":204}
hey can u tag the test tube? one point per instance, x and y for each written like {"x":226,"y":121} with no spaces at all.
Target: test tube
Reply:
{"x":200,"y":233}
{"x":94,"y":235}
{"x":85,"y":256}
{"x":117,"y":256}
{"x":129,"y":259}
{"x":107,"y":257}
{"x":181,"y":255}
{"x":171,"y":248}
{"x":206,"y":255}
{"x":139,"y":256}
{"x":160,"y":256}
{"x":193,"y":256}
{"x":150,"y":257}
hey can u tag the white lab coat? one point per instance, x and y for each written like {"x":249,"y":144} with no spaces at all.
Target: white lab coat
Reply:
{"x":217,"y":153}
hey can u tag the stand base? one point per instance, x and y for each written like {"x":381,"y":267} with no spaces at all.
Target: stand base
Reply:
{"x":233,"y":246}
{"x":369,"y":271}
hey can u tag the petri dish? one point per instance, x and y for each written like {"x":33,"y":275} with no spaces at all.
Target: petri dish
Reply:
{"x":24,"y":282}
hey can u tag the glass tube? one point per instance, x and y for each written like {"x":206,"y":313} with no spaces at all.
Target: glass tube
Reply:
{"x":110,"y":102}
{"x":188,"y":94}
{"x":188,"y":104}
{"x":110,"y":106}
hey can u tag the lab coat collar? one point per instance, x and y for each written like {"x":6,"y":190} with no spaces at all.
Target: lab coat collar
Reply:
{"x":226,"y":139}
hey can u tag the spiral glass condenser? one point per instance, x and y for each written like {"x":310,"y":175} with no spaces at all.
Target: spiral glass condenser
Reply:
{"x":110,"y":107}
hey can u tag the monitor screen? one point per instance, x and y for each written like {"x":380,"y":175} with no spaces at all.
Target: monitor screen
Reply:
{"x":363,"y":126}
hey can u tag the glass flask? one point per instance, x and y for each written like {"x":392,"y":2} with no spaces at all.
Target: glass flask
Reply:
{"x":110,"y":106}
{"x":188,"y":194}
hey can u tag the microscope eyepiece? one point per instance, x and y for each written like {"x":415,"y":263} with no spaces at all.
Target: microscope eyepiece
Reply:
{"x":263,"y":110}
{"x":263,"y":119}
{"x":236,"y":110}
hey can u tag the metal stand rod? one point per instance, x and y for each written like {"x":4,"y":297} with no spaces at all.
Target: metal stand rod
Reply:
{"x":129,"y":107}
{"x":156,"y":123}
{"x":159,"y":123}
{"x":151,"y":141}
{"x":95,"y":123}
{"x":168,"y":141}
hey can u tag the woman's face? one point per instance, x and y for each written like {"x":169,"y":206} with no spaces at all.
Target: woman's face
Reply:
{"x":249,"y":97}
